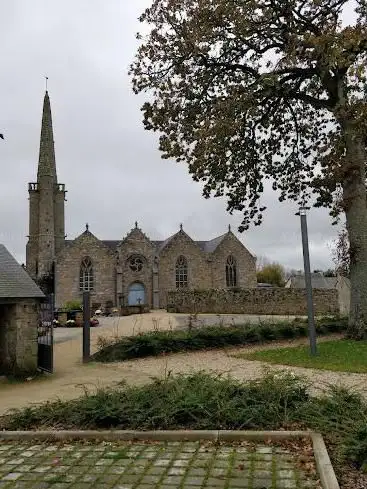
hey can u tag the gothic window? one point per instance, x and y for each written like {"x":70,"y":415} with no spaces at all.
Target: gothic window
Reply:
{"x":231,"y":272}
{"x":86,"y":277}
{"x":181,"y":273}
{"x":136,"y":263}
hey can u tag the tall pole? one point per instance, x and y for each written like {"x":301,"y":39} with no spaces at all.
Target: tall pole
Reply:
{"x":86,"y":327}
{"x":308,"y":281}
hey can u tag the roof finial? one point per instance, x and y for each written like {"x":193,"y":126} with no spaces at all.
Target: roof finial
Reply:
{"x":229,"y":228}
{"x":136,"y":224}
{"x":46,"y":77}
{"x":87,"y":227}
{"x":181,"y":227}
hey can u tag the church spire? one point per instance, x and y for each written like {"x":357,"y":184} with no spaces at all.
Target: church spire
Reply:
{"x":47,"y":162}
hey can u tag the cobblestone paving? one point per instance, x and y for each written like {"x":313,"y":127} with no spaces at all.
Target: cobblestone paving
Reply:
{"x":149,"y":465}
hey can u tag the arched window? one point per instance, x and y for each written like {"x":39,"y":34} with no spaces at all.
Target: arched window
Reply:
{"x":231,"y":272}
{"x":181,"y":273}
{"x":86,"y":277}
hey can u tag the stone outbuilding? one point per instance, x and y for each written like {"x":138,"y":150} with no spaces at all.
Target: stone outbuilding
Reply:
{"x":318,"y":281}
{"x":19,"y":309}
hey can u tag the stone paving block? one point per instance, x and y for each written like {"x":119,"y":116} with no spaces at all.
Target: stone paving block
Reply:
{"x":214,"y":482}
{"x":12,"y":476}
{"x":116,"y":470}
{"x":194,"y":481}
{"x":172,"y":480}
{"x":156,"y":470}
{"x":150,"y":479}
{"x":176,"y":471}
{"x":193,"y":472}
{"x":286,"y":474}
{"x":286,"y":484}
{"x":180,"y":463}
{"x":261,"y":449}
{"x":88,"y":478}
{"x":262,"y":483}
{"x":219,"y":472}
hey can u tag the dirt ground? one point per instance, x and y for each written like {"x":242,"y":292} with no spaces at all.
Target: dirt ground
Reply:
{"x":71,"y":377}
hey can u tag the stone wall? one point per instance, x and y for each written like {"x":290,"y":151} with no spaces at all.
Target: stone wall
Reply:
{"x":275,"y":301}
{"x":18,"y":337}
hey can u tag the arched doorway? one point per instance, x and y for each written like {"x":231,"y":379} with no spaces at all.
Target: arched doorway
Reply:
{"x":136,"y":294}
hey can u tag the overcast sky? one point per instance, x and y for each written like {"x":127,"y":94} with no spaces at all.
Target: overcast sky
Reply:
{"x":111,"y":166}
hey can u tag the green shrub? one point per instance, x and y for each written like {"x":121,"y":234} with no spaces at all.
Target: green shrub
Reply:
{"x":356,"y":447}
{"x":276,"y":401}
{"x":161,"y":342}
{"x":74,"y":305}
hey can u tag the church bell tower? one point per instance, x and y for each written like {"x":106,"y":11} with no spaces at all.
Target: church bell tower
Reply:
{"x":46,"y":208}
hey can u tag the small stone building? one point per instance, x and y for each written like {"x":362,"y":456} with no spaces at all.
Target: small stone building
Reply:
{"x":19,"y":306}
{"x":318,"y":281}
{"x":129,"y":271}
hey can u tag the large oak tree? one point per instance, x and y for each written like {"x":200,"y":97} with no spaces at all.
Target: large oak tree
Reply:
{"x":246,"y":91}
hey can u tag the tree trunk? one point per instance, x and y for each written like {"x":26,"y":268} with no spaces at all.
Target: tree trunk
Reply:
{"x":354,"y":200}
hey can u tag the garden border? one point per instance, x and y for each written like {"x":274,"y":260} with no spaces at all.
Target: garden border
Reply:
{"x":323,"y":463}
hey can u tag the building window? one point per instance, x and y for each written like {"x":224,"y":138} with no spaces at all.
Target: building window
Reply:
{"x":86,"y":278}
{"x":181,"y":273}
{"x":136,"y":263}
{"x":231,"y":272}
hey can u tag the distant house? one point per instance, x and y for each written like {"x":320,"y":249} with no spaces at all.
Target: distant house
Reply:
{"x":318,"y":281}
{"x":19,"y":313}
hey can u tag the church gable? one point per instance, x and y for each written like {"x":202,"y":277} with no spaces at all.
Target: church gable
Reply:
{"x":228,"y":242}
{"x":86,"y":249}
{"x":135,"y":243}
{"x":232,"y":264}
{"x":177,"y":242}
{"x":182,"y":264}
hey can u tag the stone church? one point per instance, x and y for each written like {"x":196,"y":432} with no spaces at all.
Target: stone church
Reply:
{"x":131,"y":270}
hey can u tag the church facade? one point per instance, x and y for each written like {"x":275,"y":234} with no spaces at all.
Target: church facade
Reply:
{"x":133,"y":270}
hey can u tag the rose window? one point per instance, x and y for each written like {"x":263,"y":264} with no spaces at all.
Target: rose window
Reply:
{"x":136,"y":263}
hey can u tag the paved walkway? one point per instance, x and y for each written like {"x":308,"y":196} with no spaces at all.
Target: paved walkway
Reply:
{"x":179,"y":465}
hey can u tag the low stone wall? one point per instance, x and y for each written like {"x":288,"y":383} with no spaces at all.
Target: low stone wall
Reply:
{"x":272,"y":301}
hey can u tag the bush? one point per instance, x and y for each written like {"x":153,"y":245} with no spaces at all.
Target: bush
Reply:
{"x":162,"y":342}
{"x":74,"y":305}
{"x":198,"y":401}
{"x":201,"y":401}
{"x":356,"y":447}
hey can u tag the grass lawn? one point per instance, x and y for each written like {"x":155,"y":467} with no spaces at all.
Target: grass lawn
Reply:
{"x":336,"y":355}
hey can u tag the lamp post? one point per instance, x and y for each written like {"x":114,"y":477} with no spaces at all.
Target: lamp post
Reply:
{"x":86,"y":327}
{"x":308,"y":282}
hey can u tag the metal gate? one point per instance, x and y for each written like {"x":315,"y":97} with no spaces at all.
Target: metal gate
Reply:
{"x":45,"y":335}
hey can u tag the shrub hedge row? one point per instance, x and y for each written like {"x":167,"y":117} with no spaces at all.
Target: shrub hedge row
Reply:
{"x":202,"y":338}
{"x":275,"y":401}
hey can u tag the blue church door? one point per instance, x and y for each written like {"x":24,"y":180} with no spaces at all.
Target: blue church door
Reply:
{"x":136,"y":294}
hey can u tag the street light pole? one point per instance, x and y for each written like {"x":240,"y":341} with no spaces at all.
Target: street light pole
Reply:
{"x":308,"y":281}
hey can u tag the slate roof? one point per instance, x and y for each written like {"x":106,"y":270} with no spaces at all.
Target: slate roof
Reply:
{"x":15,"y":283}
{"x":206,"y":246}
{"x":318,"y":281}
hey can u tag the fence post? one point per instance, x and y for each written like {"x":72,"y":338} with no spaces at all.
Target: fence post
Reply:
{"x":86,"y":327}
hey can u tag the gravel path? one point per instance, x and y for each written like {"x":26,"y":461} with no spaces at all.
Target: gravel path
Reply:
{"x":71,"y":377}
{"x":224,"y":362}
